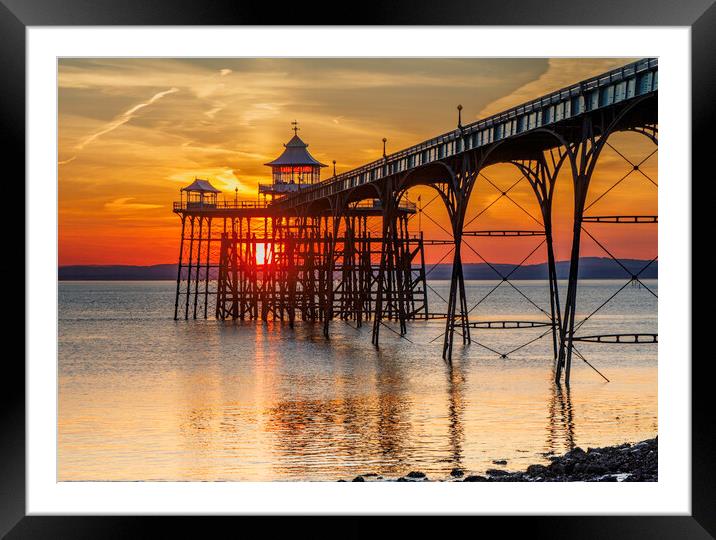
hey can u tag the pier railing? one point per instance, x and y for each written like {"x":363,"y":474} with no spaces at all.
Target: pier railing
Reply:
{"x":180,"y":206}
{"x":624,"y":83}
{"x":183,"y":206}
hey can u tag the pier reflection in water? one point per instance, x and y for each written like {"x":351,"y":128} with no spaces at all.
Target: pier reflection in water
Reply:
{"x":560,"y":431}
{"x":145,"y":398}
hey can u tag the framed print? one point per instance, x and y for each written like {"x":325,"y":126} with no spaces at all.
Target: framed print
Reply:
{"x":420,"y":253}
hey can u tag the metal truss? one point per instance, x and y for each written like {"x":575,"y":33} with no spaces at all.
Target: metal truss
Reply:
{"x":620,"y":219}
{"x":618,"y":338}
{"x":509,"y":325}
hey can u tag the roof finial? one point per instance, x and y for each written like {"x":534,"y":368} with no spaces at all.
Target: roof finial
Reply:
{"x":459,"y":116}
{"x":295,"y":127}
{"x":384,"y":141}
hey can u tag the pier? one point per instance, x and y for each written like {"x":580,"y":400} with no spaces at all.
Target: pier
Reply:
{"x":339,"y":249}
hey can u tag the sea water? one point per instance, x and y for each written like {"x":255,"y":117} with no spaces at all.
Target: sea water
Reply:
{"x":144,"y":397}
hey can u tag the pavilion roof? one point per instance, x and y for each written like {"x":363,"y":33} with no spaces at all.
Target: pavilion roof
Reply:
{"x":203,"y":186}
{"x":296,"y":153}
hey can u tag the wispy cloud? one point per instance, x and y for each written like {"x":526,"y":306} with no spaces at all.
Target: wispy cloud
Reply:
{"x":66,"y":161}
{"x":123,"y":118}
{"x":211,"y":113}
{"x":123,"y":204}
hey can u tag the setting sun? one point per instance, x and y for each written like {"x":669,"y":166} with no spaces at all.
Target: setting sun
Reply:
{"x":260,"y":254}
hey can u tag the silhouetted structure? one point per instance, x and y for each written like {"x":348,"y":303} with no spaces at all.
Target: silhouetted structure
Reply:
{"x":279,"y":267}
{"x":309,"y":251}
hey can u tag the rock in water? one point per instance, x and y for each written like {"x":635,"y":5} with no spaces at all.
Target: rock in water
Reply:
{"x":475,"y":478}
{"x":536,"y":470}
{"x":621,"y":463}
{"x":577,"y":454}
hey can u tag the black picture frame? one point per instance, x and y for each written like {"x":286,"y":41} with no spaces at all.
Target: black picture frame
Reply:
{"x":700,"y":15}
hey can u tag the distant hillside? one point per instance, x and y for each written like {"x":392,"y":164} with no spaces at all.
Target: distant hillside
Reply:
{"x":156,"y":272}
{"x":589,"y":268}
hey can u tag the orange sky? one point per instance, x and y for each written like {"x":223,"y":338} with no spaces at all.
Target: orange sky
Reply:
{"x":134,"y":131}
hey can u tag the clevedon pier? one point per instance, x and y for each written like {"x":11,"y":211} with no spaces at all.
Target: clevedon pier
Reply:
{"x":339,"y":249}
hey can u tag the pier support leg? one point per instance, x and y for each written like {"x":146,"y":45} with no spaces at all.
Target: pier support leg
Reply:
{"x":208,"y":266}
{"x":457,"y":292}
{"x":423,"y":277}
{"x":337,"y":211}
{"x":384,"y":279}
{"x":179,"y":267}
{"x":198,"y":264}
{"x":541,"y":172}
{"x":189,"y":267}
{"x":456,"y":196}
{"x":583,"y":156}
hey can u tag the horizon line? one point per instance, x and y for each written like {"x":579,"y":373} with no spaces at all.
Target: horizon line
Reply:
{"x":97,"y":265}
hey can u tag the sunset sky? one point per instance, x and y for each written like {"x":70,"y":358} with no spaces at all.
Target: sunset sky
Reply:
{"x":132,"y":132}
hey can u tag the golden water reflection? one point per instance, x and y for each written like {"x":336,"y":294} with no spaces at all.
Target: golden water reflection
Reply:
{"x":217,"y":425}
{"x":158,"y":400}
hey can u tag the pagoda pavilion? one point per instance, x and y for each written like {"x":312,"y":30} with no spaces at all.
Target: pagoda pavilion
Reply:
{"x":294,"y":169}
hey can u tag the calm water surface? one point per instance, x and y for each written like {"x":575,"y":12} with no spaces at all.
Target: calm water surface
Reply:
{"x":143,"y":397}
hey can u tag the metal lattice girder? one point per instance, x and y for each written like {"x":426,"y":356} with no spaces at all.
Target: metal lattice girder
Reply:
{"x":620,"y":219}
{"x":508,"y":233}
{"x":509,"y":325}
{"x":438,"y":242}
{"x":618,"y":338}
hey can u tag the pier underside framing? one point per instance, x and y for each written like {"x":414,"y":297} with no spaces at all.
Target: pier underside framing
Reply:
{"x":316,"y":268}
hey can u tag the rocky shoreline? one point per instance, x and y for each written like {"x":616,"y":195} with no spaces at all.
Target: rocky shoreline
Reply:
{"x":623,"y":463}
